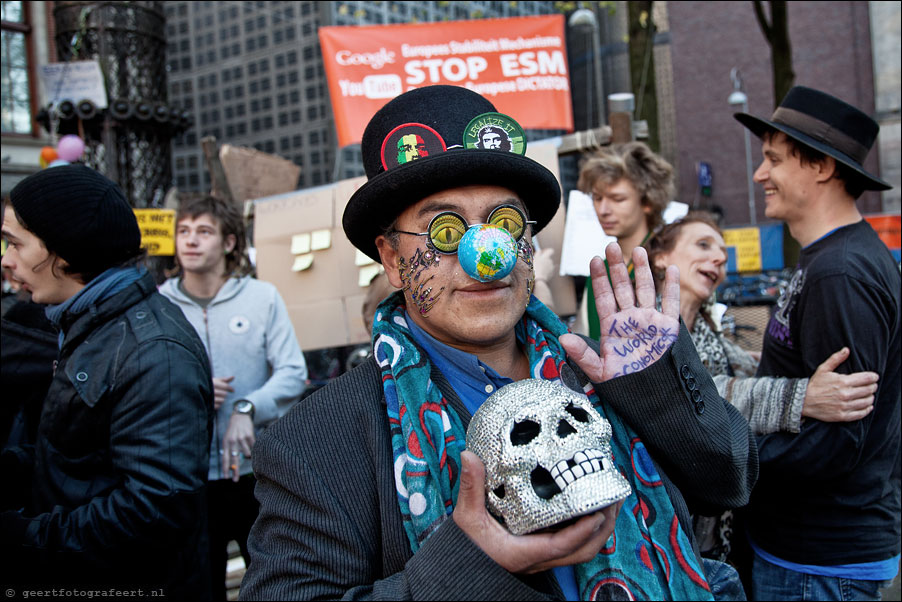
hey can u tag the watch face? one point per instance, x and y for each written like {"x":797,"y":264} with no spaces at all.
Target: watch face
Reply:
{"x":244,"y":407}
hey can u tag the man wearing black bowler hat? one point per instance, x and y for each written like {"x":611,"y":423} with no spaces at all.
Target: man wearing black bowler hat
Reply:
{"x":366,"y":490}
{"x":824,"y":519}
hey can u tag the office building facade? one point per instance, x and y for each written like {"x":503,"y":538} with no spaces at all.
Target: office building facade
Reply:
{"x":252,"y":74}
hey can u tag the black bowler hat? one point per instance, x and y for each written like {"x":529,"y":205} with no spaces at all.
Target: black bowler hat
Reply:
{"x":826,"y":124}
{"x":422,"y":142}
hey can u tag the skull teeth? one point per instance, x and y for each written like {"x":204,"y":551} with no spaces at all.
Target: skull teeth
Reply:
{"x":583,"y":463}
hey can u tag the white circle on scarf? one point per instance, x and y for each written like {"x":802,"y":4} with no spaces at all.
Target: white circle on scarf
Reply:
{"x":239,"y":324}
{"x":400,"y":463}
{"x":417,"y":504}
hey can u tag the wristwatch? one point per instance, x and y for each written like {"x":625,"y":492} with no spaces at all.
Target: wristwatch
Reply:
{"x":243,"y":406}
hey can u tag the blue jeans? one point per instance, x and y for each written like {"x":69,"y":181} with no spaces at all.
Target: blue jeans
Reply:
{"x":723,"y":581}
{"x":772,"y":582}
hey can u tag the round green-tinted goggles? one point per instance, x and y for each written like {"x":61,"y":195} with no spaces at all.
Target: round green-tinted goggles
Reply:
{"x":447,"y":228}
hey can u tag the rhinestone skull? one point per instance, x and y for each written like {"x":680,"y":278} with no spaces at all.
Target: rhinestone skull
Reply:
{"x":547,"y":455}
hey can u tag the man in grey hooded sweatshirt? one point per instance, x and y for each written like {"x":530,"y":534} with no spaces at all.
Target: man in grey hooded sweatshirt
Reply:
{"x":258,"y":368}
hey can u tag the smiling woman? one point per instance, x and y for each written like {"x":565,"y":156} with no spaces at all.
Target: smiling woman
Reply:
{"x":695,"y":245}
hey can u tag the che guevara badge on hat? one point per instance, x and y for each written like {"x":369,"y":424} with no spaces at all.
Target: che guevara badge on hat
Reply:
{"x":495,"y":131}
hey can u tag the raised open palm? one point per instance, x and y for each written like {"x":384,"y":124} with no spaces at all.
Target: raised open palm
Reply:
{"x":633,"y":336}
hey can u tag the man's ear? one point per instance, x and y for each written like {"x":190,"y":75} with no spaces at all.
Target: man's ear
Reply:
{"x":229,"y":243}
{"x":58,"y":267}
{"x":389,"y":256}
{"x":826,"y":169}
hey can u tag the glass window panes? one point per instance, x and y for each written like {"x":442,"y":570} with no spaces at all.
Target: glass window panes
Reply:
{"x":15,"y":106}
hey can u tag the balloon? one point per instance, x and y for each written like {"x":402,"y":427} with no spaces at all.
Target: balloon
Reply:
{"x":48,"y":154}
{"x":58,"y":162}
{"x":70,"y":147}
{"x":42,"y":163}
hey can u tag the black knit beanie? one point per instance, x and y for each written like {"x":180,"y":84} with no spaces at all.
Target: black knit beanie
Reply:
{"x":80,"y":215}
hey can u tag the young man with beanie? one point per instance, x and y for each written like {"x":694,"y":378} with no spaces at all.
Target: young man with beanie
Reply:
{"x":258,"y":368}
{"x":824,"y":520}
{"x":112,"y":495}
{"x":365,"y":488}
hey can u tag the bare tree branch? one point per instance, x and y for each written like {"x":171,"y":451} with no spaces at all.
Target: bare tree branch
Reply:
{"x":762,"y":20}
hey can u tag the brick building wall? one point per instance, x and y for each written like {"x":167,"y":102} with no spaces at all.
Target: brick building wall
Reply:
{"x":831,"y":47}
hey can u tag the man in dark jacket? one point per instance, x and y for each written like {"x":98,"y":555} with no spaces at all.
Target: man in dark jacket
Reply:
{"x":365,"y":488}
{"x":113,"y":491}
{"x":824,"y":521}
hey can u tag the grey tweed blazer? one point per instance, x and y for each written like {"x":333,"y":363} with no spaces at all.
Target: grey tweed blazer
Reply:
{"x":329,"y":524}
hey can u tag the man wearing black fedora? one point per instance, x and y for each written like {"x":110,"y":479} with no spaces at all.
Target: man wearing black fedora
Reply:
{"x":824,"y":519}
{"x":365,"y":488}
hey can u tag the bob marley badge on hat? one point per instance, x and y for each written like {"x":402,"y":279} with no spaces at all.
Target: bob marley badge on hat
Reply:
{"x":409,"y":142}
{"x":495,"y":131}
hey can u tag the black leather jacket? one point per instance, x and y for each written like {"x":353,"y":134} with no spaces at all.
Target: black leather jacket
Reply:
{"x":120,"y":463}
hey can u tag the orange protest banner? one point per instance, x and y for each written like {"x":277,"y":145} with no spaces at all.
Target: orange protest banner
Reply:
{"x":520,"y":64}
{"x":888,"y":227}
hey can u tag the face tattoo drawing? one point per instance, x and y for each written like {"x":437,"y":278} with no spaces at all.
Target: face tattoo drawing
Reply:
{"x":420,"y":292}
{"x":525,"y":252}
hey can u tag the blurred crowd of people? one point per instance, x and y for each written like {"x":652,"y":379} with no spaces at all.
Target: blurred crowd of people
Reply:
{"x":147,"y":426}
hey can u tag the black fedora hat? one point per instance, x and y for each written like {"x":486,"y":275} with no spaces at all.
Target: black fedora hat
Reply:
{"x":431,"y":124}
{"x":826,"y":124}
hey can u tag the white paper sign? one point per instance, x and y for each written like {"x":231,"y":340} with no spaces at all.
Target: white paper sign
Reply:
{"x":366,"y":274}
{"x":583,"y":236}
{"x":674,"y":211}
{"x":75,"y":81}
{"x":360,"y":259}
{"x":320,"y":239}
{"x":300,"y":243}
{"x":302,"y":262}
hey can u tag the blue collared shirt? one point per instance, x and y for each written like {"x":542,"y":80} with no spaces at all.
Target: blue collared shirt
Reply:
{"x":471,"y":379}
{"x":474,"y":381}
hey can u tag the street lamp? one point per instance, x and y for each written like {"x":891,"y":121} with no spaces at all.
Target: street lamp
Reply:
{"x":738,"y":98}
{"x":580,"y":19}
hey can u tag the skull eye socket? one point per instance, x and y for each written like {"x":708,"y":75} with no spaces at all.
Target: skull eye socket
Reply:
{"x":564,"y":428}
{"x":577,"y":412}
{"x":524,"y":432}
{"x":499,"y":491}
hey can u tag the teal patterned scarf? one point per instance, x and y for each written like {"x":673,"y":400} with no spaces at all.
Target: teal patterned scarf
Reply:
{"x":649,"y":557}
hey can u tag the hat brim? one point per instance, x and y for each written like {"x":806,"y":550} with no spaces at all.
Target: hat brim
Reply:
{"x":760,"y":126}
{"x":376,"y":204}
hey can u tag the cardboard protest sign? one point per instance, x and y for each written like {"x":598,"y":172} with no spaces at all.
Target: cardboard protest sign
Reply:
{"x":157,"y":230}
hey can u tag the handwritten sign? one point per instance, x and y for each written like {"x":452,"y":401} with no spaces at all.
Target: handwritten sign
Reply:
{"x":157,"y":230}
{"x":75,"y":81}
{"x":747,"y":242}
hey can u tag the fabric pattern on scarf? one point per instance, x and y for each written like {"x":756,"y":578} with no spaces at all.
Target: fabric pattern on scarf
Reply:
{"x":428,"y":438}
